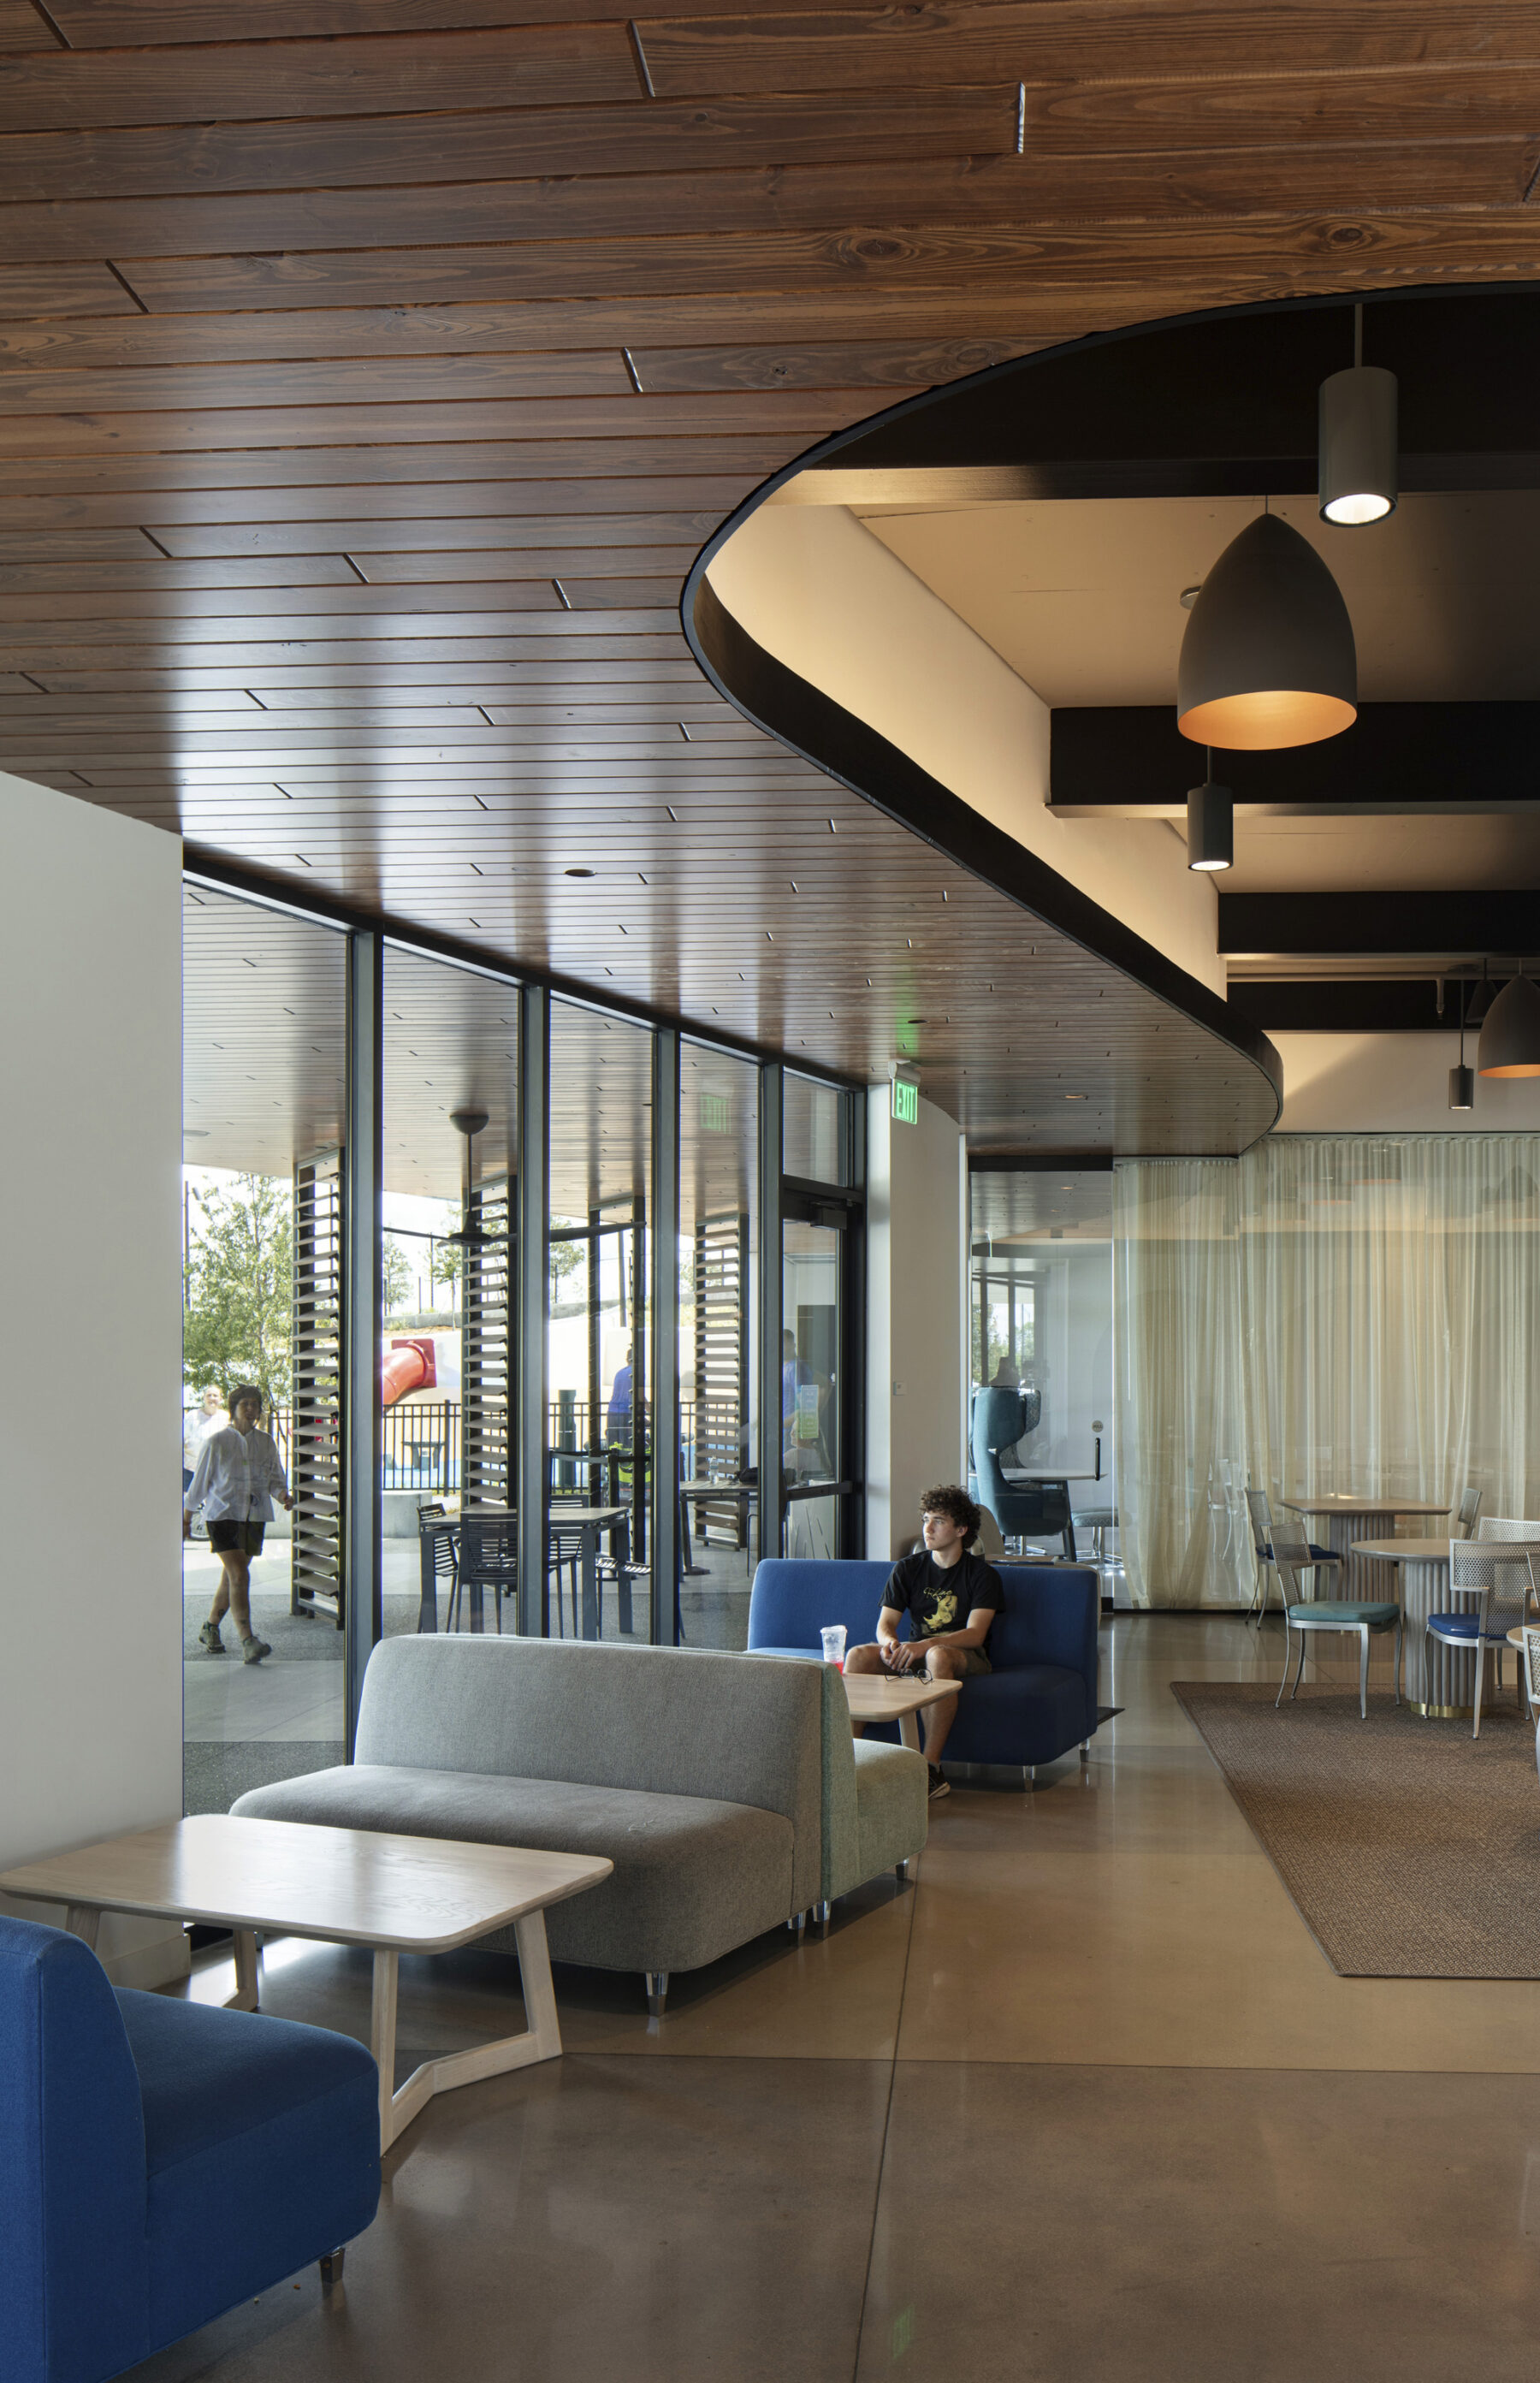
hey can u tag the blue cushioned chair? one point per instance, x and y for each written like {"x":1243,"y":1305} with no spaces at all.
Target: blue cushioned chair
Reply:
{"x":1363,"y":1618}
{"x":163,"y":2160}
{"x":1041,"y":1508}
{"x":1502,"y":1580}
{"x":1039,"y":1700}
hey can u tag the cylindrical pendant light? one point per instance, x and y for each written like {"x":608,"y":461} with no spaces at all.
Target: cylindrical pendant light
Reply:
{"x":1462,"y":1080}
{"x":1210,"y":824}
{"x":1356,"y":448}
{"x":1510,"y":1041}
{"x":1268,"y":657}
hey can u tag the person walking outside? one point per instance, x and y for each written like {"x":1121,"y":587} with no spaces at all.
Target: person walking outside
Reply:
{"x":197,"y":1422}
{"x":239,"y":1472}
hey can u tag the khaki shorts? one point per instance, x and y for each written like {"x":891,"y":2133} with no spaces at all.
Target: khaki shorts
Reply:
{"x":974,"y":1660}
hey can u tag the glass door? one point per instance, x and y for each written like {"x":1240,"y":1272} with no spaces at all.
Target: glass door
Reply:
{"x":818,"y":1470}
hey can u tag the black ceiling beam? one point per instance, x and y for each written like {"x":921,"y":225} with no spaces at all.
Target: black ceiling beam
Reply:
{"x":1504,"y":924}
{"x":1226,"y":404}
{"x":1348,"y":1006}
{"x":1126,"y":761}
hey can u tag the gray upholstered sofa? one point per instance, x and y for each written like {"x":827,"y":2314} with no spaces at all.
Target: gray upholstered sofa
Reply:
{"x":727,"y":1791}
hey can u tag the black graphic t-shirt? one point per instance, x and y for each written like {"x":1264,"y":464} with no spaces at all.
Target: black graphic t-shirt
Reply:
{"x":937,"y":1599}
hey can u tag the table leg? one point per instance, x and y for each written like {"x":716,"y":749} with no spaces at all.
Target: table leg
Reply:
{"x":589,"y":1537}
{"x":382,"y":2039}
{"x":83,"y":1920}
{"x":478,"y":1619}
{"x":621,"y":1542}
{"x":541,"y":2039}
{"x":908,"y":1731}
{"x":245,"y":1995}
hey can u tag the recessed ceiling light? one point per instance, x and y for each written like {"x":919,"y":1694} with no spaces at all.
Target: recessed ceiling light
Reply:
{"x":1075,"y":1097}
{"x":577,"y":872}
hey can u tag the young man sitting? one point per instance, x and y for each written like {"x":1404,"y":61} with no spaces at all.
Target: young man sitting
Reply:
{"x":951,"y":1597}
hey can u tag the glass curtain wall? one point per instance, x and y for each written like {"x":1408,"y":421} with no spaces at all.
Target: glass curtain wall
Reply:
{"x":1040,"y":1299}
{"x":819,"y":1272}
{"x":448,"y":1354}
{"x":263,"y":1039}
{"x":719,"y":1257}
{"x":598,"y":1414}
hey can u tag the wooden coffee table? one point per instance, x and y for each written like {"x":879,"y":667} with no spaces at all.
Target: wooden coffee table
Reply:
{"x":881,"y":1695}
{"x":346,"y":1886}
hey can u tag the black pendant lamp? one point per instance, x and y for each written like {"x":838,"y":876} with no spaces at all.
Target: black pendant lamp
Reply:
{"x":1357,"y":439}
{"x":1210,"y":824}
{"x":1510,"y":1041}
{"x":1462,"y":1080}
{"x":1268,"y":657}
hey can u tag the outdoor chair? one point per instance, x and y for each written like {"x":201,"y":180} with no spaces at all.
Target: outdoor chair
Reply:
{"x":1260,"y":1513}
{"x":488,"y":1559}
{"x":439,"y":1542}
{"x":1348,"y":1616}
{"x":1500,"y":1575}
{"x":1470,"y":1507}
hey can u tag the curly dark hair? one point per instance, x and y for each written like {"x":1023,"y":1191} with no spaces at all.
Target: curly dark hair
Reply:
{"x":952,"y":1500}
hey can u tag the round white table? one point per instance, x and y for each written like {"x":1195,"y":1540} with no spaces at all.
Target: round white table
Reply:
{"x":1440,"y":1679}
{"x":1352,"y":1520}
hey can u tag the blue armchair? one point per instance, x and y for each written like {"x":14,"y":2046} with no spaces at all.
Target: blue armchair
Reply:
{"x":1039,"y":1699}
{"x":164,"y":2160}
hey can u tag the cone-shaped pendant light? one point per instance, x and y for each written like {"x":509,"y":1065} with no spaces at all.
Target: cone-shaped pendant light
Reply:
{"x":1510,"y":1041}
{"x":1268,"y":658}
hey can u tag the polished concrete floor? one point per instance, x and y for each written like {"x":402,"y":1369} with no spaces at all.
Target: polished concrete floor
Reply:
{"x":1085,"y":2101}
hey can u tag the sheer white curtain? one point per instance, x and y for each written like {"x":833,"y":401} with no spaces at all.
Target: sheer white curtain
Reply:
{"x":1366,"y":1308}
{"x":1181,"y":1405}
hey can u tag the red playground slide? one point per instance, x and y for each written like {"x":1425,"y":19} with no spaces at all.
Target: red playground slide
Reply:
{"x":410,"y":1366}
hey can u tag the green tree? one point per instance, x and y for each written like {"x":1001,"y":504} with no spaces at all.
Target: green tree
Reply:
{"x":398,"y":1276}
{"x":238,"y":1288}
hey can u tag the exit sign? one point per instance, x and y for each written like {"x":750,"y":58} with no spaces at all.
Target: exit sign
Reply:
{"x":906,"y":1102}
{"x":716,"y":1115}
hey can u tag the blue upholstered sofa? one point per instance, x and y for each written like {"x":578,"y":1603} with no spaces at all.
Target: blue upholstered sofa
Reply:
{"x":162,"y":2161}
{"x":1039,"y":1700}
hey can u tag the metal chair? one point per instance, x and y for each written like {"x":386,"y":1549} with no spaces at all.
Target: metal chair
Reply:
{"x":439,"y":1542}
{"x":1260,"y":1513}
{"x":1470,"y":1507}
{"x":1532,"y":1680}
{"x":488,"y":1559}
{"x":1289,"y":1558}
{"x":1500,"y":1575}
{"x":1505,"y":1526}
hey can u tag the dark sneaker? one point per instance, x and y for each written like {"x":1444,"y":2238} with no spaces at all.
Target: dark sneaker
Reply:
{"x":209,"y":1637}
{"x":253,"y":1649}
{"x":940,"y":1784}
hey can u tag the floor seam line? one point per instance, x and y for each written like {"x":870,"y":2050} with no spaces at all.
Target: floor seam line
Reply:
{"x":887,"y":2122}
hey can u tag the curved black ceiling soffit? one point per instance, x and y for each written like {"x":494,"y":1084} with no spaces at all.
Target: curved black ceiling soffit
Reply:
{"x":1222,"y":403}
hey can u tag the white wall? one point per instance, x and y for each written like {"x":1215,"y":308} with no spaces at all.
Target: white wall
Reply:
{"x":813,"y":585}
{"x":1393,"y":1083}
{"x":91,"y":1718}
{"x":917,"y":1315}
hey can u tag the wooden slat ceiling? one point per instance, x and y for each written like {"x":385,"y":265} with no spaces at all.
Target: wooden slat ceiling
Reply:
{"x":369,"y":371}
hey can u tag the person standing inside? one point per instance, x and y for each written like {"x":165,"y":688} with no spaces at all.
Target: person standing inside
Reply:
{"x":951,"y":1596}
{"x":238,"y":1475}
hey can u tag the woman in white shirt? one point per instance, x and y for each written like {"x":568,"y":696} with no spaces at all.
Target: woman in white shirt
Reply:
{"x":238,"y":1473}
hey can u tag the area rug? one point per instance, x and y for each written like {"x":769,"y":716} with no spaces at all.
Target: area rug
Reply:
{"x":1410,"y":1850}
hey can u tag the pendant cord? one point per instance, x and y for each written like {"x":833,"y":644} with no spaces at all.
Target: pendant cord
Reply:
{"x":1358,"y":335}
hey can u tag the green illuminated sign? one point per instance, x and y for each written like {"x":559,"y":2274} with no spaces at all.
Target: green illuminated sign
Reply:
{"x":715,"y":1114}
{"x":906,"y":1102}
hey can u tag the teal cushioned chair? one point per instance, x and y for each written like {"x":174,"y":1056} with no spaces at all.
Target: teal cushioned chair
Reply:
{"x":1362,"y":1619}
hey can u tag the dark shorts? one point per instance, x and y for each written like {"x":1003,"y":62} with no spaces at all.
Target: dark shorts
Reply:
{"x":235,"y":1539}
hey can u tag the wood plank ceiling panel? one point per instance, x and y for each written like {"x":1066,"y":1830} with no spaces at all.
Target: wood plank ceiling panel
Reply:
{"x":371,"y":370}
